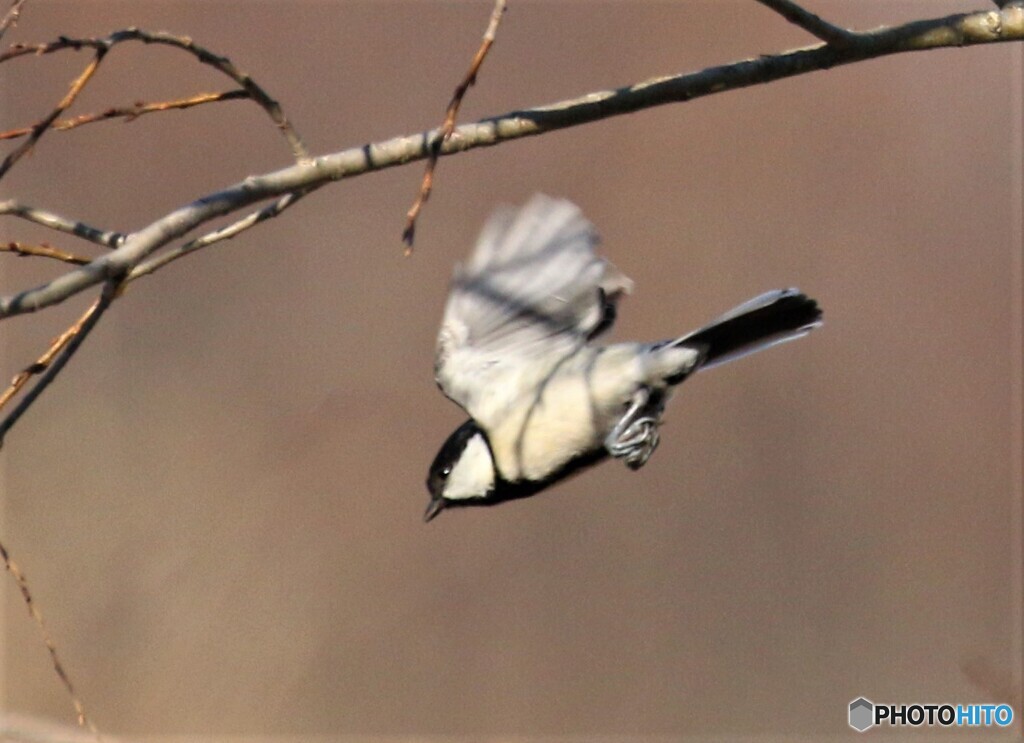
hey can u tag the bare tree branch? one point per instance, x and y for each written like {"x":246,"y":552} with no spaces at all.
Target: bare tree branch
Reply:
{"x":10,"y":19}
{"x":43,"y":251}
{"x":448,"y":126}
{"x":61,"y":224}
{"x":37,"y":617}
{"x":809,"y":22}
{"x":226,"y":233}
{"x":205,"y":56}
{"x":952,"y":31}
{"x":41,"y":128}
{"x":55,"y":358}
{"x":130,"y":113}
{"x":43,"y":362}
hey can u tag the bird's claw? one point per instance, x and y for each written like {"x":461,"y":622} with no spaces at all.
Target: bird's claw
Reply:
{"x":635,"y":437}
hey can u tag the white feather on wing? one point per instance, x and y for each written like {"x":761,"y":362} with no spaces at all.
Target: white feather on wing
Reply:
{"x":532,"y":292}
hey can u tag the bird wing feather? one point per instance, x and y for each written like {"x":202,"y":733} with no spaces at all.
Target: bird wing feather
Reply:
{"x":532,"y":293}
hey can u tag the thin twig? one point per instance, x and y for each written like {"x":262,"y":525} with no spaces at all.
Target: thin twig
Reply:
{"x":39,"y":129}
{"x":225,"y":233}
{"x":205,"y":56}
{"x":448,"y":126}
{"x":61,"y":224}
{"x":10,"y":19}
{"x":56,"y":357}
{"x":809,"y":22}
{"x":955,"y":31}
{"x":130,"y":113}
{"x":51,"y":647}
{"x":43,"y":362}
{"x":62,"y":349}
{"x":43,"y":251}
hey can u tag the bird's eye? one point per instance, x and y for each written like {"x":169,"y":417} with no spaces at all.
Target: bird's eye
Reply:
{"x":446,"y":471}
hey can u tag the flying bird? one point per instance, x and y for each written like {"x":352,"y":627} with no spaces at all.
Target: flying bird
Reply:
{"x":517,"y":352}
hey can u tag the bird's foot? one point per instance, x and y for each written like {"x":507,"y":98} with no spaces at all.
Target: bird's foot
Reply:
{"x":635,"y":437}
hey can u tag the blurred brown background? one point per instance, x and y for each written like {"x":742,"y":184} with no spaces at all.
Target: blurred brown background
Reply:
{"x":218,"y":505}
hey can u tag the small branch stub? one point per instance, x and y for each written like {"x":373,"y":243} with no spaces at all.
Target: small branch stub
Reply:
{"x":43,"y":251}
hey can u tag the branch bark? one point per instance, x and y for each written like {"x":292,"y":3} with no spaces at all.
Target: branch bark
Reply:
{"x":10,"y":19}
{"x":448,"y":125}
{"x":44,"y":251}
{"x":811,"y":23}
{"x":59,"y":223}
{"x":959,"y":30}
{"x":218,"y":62}
{"x":132,"y":112}
{"x":11,"y":566}
{"x":56,"y":357}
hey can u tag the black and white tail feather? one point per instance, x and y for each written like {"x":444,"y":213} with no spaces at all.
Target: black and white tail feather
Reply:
{"x":516,"y":352}
{"x":762,"y":322}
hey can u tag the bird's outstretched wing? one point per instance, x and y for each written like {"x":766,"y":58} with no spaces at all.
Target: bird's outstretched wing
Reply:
{"x":532,"y":293}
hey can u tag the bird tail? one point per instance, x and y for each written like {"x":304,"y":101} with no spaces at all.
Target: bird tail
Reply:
{"x":774,"y":317}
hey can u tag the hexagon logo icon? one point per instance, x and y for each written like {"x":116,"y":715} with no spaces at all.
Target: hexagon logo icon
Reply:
{"x":862,"y":714}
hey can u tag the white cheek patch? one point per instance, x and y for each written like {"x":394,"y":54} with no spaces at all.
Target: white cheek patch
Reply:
{"x":473,"y":474}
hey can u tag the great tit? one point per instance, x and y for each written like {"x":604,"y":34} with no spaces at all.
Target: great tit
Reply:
{"x":517,"y":351}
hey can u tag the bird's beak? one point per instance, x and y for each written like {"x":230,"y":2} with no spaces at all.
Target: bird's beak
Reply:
{"x":433,"y":508}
